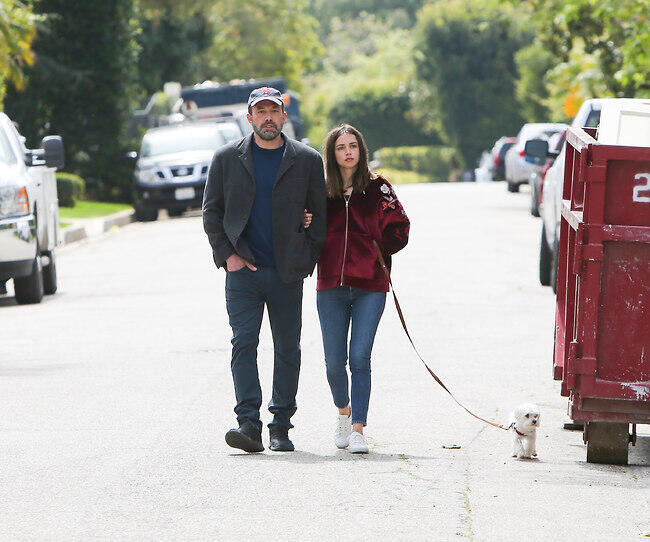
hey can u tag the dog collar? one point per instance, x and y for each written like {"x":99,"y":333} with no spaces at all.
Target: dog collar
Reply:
{"x":518,"y":432}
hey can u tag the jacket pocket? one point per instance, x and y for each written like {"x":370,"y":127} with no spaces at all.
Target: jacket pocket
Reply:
{"x":361,"y":256}
{"x":331,"y":257}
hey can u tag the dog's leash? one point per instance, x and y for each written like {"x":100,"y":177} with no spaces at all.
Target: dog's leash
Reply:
{"x":382,"y":262}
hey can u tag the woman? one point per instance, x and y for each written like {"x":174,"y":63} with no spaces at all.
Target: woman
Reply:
{"x":362,"y":210}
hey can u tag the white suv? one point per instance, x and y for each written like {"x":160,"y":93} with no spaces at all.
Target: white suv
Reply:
{"x":550,"y":207}
{"x":518,"y":167}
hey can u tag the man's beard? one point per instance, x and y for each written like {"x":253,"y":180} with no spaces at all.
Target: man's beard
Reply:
{"x":268,"y":131}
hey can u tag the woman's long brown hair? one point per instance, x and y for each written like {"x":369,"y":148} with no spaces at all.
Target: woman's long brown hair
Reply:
{"x":333,"y":177}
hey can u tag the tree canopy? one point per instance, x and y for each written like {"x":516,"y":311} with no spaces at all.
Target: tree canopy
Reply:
{"x":17,"y":29}
{"x":465,"y":62}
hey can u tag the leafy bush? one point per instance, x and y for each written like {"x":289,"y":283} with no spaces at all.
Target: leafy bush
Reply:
{"x":438,"y":163}
{"x":380,"y":113}
{"x":398,"y":176}
{"x":70,"y":187}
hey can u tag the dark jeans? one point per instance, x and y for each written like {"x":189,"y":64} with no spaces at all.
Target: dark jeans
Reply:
{"x":336,"y":308}
{"x":246,"y":294}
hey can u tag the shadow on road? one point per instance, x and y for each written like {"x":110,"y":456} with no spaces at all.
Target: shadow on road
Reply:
{"x":308,"y":457}
{"x":8,"y":301}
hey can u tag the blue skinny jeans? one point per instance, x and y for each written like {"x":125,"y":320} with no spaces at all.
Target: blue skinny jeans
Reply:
{"x":337,"y":307}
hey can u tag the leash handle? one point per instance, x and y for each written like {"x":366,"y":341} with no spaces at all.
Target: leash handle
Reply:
{"x":382,"y":262}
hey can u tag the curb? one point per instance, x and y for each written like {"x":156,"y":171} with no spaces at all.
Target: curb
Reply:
{"x":94,"y":227}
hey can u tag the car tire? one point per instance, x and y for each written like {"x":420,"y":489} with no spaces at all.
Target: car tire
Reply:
{"x":512,"y":187}
{"x":49,"y":274}
{"x":545,"y":258}
{"x":175,"y":212}
{"x":534,"y":201}
{"x":145,"y":214}
{"x":30,"y":289}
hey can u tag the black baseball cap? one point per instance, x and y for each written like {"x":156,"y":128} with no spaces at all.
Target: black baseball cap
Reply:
{"x":265,"y":93}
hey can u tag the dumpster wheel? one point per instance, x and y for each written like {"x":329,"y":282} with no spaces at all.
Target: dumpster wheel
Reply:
{"x":607,"y":442}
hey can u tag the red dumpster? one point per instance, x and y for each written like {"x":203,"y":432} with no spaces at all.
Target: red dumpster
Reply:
{"x":602,"y":332}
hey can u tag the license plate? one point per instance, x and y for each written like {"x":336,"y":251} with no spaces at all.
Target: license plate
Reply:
{"x":184,"y":193}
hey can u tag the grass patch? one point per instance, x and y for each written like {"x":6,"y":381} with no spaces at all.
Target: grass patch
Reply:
{"x":91,"y":209}
{"x":396,"y":176}
{"x":63,"y":224}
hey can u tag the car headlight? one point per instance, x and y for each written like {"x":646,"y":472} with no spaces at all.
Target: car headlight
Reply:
{"x":147,"y":176}
{"x":13,"y":202}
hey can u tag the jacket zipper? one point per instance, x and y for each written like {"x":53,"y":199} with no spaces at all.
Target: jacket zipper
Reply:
{"x":345,"y":245}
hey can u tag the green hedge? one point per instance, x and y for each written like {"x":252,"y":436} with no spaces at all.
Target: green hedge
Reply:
{"x":70,"y":187}
{"x":439,"y":163}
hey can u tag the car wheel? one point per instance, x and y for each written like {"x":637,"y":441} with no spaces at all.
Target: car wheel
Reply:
{"x":49,"y":274}
{"x":30,"y":289}
{"x":145,"y":214}
{"x":175,"y":212}
{"x":544,"y":261}
{"x":534,"y":200}
{"x":512,"y":187}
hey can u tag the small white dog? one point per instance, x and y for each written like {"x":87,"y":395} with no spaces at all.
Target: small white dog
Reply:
{"x":525,"y":421}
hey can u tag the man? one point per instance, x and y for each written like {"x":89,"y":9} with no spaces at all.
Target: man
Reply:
{"x":256,"y":193}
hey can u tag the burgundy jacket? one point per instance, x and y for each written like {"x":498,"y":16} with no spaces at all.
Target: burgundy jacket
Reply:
{"x":349,"y":257}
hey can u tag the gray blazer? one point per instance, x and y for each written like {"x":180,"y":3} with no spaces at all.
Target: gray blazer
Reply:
{"x":228,"y":200}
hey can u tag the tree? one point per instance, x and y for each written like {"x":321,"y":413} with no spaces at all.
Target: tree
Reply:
{"x":82,"y":87}
{"x":465,"y":62}
{"x":533,"y":64}
{"x":612,"y":33}
{"x":589,"y":49}
{"x":399,"y":13}
{"x":172,"y":47}
{"x":381,"y":114}
{"x":263,"y":39}
{"x":365,"y":78}
{"x":17,"y":28}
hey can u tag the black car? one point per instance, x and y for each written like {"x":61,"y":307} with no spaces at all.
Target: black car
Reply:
{"x":173,"y":165}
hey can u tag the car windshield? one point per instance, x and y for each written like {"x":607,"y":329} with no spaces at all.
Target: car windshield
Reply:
{"x":229,"y":130}
{"x":182,"y":138}
{"x":532,"y":132}
{"x":593,"y":119}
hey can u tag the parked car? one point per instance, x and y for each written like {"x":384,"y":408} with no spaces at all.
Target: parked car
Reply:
{"x":240,"y":116}
{"x":517,"y":166}
{"x":588,"y":116}
{"x":536,"y":179}
{"x":29,"y":214}
{"x":172,"y":166}
{"x":483,"y":173}
{"x":498,"y":153}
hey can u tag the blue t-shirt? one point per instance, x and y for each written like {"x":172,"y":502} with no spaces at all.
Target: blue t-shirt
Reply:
{"x":258,"y":232}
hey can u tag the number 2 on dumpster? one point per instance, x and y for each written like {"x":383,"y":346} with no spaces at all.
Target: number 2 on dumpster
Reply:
{"x":636,"y":191}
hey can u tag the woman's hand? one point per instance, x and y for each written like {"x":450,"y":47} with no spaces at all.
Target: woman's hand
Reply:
{"x":306,"y":219}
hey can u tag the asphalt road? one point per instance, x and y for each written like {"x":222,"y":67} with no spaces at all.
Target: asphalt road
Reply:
{"x":115,"y":395}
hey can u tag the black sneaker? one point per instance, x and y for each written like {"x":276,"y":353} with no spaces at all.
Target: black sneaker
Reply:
{"x":279,"y":437}
{"x":246,"y":437}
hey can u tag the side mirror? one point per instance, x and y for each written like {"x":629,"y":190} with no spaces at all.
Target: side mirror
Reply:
{"x":536,"y":149}
{"x":53,"y":150}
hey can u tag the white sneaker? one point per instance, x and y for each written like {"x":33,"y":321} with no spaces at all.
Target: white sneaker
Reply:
{"x":357,"y":443}
{"x":342,"y":432}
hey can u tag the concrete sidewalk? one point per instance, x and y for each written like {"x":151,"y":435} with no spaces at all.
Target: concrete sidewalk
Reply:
{"x":87,"y":228}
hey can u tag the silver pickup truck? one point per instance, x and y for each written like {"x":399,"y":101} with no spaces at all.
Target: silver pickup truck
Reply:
{"x":29,"y":214}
